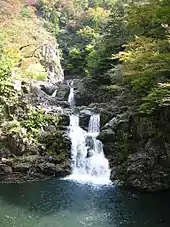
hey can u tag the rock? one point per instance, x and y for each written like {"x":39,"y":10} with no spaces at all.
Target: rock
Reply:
{"x":110,"y":124}
{"x":89,"y":153}
{"x":40,"y":98}
{"x":84,"y":118}
{"x":4,"y":152}
{"x":32,"y":149}
{"x":82,"y":96}
{"x":48,"y":89}
{"x":63,"y":104}
{"x":57,"y":145}
{"x":47,"y":168}
{"x":64,"y":120}
{"x":105,"y":116}
{"x":21,"y":167}
{"x":63,"y":91}
{"x":51,"y":57}
{"x":63,"y":170}
{"x":7,"y":161}
{"x":5,"y":169}
{"x":16,"y":144}
{"x":107,"y":135}
{"x":50,"y":128}
{"x":137,"y":154}
{"x":89,"y":142}
{"x":118,"y":183}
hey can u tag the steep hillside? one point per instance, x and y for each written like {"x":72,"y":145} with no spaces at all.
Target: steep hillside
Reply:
{"x":29,"y":60}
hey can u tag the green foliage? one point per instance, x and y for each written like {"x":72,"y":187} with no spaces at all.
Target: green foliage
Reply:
{"x":146,"y":57}
{"x":29,"y":127}
{"x":35,"y":119}
{"x":25,"y":12}
{"x":159,"y":96}
{"x":8,"y":96}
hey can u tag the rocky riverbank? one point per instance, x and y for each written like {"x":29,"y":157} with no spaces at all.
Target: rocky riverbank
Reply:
{"x":48,"y":154}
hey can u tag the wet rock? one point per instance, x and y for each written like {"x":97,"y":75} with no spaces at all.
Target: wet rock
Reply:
{"x":84,"y":118}
{"x":89,"y":142}
{"x":82,"y":96}
{"x":89,"y":153}
{"x":110,"y":124}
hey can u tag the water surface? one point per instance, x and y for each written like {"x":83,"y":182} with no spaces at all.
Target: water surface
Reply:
{"x":61,"y":203}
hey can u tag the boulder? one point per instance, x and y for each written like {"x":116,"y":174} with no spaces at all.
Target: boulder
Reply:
{"x":46,"y":168}
{"x":89,"y":153}
{"x":48,"y":89}
{"x":63,"y":91}
{"x":63,"y":170}
{"x":7,"y":161}
{"x":5,"y":169}
{"x":50,"y":128}
{"x":107,"y":135}
{"x":16,"y":144}
{"x":4,"y":152}
{"x":21,"y":167}
{"x":84,"y":118}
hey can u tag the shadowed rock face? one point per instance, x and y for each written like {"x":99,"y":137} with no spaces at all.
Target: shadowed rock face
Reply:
{"x":138,"y":148}
{"x":50,"y":157}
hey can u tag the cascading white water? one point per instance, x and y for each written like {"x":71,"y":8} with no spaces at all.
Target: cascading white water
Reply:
{"x":54,"y":93}
{"x":94,"y":125}
{"x":71,"y":99}
{"x":88,"y":161}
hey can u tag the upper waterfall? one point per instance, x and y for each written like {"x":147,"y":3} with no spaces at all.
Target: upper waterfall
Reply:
{"x":71,"y":99}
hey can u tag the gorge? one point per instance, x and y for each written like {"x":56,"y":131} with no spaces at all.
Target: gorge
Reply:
{"x":84,"y":113}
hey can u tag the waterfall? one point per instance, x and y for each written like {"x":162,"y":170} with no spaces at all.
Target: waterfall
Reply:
{"x":54,"y":93}
{"x":71,"y":100}
{"x":88,"y":161}
{"x":94,"y":125}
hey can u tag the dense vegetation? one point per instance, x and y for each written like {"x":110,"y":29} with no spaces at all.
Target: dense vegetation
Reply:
{"x":21,"y":34}
{"x":95,"y":36}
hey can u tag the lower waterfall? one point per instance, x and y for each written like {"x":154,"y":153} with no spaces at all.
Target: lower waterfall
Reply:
{"x":88,"y":161}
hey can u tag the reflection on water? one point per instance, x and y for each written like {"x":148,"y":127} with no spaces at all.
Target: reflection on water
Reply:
{"x":60,"y":203}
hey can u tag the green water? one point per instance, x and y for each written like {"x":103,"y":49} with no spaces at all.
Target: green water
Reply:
{"x":59,"y":203}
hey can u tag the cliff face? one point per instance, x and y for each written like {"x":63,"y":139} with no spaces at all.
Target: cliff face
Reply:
{"x":138,"y":148}
{"x":23,"y":32}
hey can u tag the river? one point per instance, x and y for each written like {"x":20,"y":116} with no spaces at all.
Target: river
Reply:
{"x":65,"y":203}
